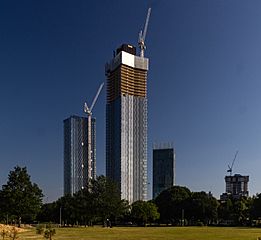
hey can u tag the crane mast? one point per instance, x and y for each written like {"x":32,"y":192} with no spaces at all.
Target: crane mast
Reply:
{"x":88,"y":111}
{"x":142,"y":35}
{"x":230,"y":169}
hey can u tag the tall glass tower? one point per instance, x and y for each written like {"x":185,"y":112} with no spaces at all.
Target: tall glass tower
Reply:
{"x":164,"y":163}
{"x":126,"y":122}
{"x":76,"y":153}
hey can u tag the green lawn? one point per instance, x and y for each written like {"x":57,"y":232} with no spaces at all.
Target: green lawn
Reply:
{"x":150,"y":233}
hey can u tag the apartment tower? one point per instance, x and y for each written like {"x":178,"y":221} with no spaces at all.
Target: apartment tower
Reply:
{"x":236,"y":187}
{"x":126,"y":122}
{"x":76,"y":153}
{"x":163,"y":169}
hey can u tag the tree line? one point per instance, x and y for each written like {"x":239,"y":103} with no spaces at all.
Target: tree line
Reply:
{"x":100,"y":203}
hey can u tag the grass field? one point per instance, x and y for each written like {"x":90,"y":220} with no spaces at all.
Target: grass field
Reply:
{"x":150,"y":233}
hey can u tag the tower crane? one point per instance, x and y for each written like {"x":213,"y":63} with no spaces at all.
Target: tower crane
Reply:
{"x":88,"y":111}
{"x":142,"y":34}
{"x":230,"y":169}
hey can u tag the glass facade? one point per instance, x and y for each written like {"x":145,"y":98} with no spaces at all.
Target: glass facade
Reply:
{"x":76,"y":153}
{"x":126,"y":123}
{"x":163,"y":170}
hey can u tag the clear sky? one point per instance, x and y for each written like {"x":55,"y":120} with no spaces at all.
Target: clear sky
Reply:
{"x":203,"y":86}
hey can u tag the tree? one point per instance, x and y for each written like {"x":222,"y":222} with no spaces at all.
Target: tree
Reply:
{"x":65,"y":207}
{"x":107,"y":201}
{"x":225,"y":210}
{"x":19,"y":197}
{"x":241,"y":211}
{"x":48,"y":213}
{"x":235,"y":211}
{"x":256,"y":207}
{"x":143,"y":212}
{"x":100,"y":200}
{"x":202,"y":207}
{"x":171,"y":203}
{"x":84,"y":207}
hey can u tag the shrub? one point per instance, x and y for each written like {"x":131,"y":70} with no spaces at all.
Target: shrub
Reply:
{"x":39,"y":229}
{"x":13,"y":233}
{"x":4,"y":233}
{"x":200,"y":224}
{"x":49,"y":232}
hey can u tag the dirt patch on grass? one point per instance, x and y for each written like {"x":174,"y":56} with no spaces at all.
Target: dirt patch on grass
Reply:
{"x":9,"y":228}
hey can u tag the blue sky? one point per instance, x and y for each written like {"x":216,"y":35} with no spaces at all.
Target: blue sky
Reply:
{"x":203,"y":84}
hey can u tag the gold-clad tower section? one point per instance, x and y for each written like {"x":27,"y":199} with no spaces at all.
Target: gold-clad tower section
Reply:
{"x":126,"y":80}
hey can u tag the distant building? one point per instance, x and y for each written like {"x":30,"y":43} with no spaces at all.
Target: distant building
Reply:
{"x":236,"y":187}
{"x":163,"y":169}
{"x":126,"y":122}
{"x":76,"y":153}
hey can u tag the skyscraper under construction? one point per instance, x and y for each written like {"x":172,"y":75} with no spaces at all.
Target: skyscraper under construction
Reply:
{"x":126,"y":122}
